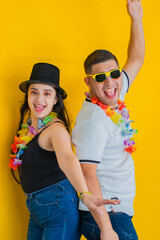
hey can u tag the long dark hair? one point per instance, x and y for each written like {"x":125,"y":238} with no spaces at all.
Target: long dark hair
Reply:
{"x":59,"y":108}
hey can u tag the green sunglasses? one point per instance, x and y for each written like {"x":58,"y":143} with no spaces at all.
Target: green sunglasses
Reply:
{"x":100,"y":77}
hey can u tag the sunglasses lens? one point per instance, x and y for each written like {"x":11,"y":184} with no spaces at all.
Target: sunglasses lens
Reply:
{"x":100,"y":78}
{"x":115,"y":74}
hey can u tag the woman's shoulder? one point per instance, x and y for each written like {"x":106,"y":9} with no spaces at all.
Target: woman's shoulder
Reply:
{"x":57,"y":131}
{"x":55,"y":124}
{"x":54,"y":129}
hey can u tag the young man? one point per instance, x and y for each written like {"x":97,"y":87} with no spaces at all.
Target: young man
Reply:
{"x":103,"y":136}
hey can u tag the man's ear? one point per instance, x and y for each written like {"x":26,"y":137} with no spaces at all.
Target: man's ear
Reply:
{"x":87,"y":81}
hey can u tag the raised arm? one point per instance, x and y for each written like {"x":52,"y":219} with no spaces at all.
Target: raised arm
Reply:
{"x":136,"y":47}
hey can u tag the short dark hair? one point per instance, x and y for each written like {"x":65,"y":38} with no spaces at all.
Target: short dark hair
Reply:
{"x":98,"y":56}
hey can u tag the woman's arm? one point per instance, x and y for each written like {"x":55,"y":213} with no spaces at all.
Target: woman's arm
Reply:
{"x":70,"y":165}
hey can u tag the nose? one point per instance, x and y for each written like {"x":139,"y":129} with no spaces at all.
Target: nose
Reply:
{"x":39,"y":97}
{"x":108,"y":80}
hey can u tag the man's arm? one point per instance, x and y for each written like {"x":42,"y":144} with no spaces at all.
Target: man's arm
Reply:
{"x":136,"y":47}
{"x":103,"y":221}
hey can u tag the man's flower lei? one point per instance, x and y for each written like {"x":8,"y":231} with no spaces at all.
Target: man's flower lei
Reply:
{"x":121,"y":119}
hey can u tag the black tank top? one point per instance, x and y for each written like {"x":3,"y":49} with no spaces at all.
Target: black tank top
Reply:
{"x":40,"y":168}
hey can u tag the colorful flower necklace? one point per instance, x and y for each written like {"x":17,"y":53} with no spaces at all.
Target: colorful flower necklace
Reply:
{"x":20,"y":141}
{"x":121,"y":119}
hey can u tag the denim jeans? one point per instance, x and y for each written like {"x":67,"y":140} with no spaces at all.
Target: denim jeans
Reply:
{"x":121,"y":223}
{"x":53,"y":213}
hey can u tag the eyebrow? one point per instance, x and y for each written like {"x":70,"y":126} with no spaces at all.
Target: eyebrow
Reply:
{"x":48,"y":90}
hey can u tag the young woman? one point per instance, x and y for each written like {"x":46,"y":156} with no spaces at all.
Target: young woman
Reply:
{"x":47,"y":166}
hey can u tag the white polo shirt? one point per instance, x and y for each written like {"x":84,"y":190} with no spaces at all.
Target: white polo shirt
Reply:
{"x":98,"y":140}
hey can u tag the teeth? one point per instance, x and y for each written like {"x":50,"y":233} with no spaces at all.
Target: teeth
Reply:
{"x":109,"y":90}
{"x":39,"y":106}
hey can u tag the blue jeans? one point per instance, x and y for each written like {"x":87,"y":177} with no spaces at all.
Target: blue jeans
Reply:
{"x":121,"y":223}
{"x":53,"y":213}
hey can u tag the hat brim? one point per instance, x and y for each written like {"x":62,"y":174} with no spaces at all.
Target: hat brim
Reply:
{"x":24,"y":87}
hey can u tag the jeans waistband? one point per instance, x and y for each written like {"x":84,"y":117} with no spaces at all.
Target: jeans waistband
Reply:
{"x":61,"y":185}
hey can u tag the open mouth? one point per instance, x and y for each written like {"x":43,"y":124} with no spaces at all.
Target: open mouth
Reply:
{"x":110,"y":93}
{"x":39,"y":107}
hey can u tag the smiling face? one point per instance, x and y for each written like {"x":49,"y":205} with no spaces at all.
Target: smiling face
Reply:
{"x":108,"y":91}
{"x":41,"y":99}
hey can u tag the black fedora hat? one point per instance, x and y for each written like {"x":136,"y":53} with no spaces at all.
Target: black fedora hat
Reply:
{"x":44,"y":73}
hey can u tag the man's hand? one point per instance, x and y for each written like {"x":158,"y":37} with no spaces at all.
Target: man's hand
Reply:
{"x":134,"y":8}
{"x":136,"y":46}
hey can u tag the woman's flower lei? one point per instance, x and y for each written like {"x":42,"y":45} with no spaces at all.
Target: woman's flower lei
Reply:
{"x":20,"y":141}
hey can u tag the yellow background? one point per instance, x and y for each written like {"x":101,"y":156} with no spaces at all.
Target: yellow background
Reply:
{"x":64,"y":33}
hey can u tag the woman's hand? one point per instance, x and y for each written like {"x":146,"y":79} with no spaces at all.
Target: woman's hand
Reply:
{"x":92,"y":202}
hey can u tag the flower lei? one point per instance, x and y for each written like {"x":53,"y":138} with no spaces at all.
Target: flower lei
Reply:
{"x":121,"y":119}
{"x":20,"y":141}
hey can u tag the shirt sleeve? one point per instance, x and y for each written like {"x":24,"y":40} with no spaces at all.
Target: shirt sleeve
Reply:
{"x":125,"y":85}
{"x":89,"y":139}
